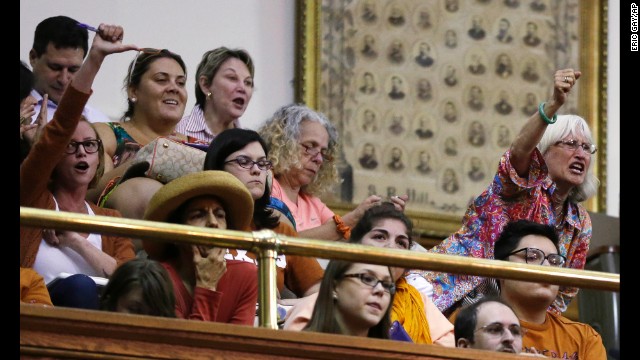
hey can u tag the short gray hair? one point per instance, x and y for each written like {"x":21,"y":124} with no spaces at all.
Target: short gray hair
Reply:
{"x":572,"y":125}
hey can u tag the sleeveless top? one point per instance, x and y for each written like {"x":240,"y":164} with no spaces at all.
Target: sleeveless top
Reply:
{"x":126,"y":146}
{"x":52,"y":260}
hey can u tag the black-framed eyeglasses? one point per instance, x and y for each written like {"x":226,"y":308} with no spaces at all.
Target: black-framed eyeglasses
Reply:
{"x":498,"y":329}
{"x":373,"y":281}
{"x":573,"y":145}
{"x":150,"y":51}
{"x":89,"y":146}
{"x":246,"y":163}
{"x":537,"y":257}
{"x":314,"y":151}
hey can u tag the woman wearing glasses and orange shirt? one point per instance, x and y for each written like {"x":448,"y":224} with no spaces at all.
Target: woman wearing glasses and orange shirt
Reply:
{"x":302,"y":145}
{"x":544,"y":177}
{"x":62,"y":165}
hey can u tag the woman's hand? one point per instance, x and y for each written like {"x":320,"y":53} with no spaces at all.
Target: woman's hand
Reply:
{"x":210,"y":265}
{"x":563,"y":82}
{"x":27,"y":109}
{"x":63,"y":238}
{"x":352,"y":218}
{"x":400,"y":202}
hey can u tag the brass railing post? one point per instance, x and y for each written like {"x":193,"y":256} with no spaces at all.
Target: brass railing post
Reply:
{"x":267,"y":246}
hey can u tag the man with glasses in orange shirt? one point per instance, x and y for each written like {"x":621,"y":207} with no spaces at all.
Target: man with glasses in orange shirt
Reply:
{"x":551,"y":334}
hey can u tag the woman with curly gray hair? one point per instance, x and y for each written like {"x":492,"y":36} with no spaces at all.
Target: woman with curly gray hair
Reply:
{"x":543,"y":177}
{"x":302,"y":146}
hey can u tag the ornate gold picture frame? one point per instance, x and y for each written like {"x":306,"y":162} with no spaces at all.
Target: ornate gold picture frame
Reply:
{"x":427,"y":95}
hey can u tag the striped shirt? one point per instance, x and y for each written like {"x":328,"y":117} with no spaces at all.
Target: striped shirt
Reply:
{"x":194,"y":125}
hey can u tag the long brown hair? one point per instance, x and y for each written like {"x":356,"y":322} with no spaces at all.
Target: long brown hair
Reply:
{"x":323,"y":318}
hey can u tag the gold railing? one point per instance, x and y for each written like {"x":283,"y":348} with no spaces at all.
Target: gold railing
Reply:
{"x":267,"y":245}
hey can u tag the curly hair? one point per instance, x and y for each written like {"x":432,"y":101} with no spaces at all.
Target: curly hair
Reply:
{"x":572,"y":125}
{"x":281,"y":132}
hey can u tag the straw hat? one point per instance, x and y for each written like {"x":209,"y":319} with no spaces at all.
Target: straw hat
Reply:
{"x":235,"y":198}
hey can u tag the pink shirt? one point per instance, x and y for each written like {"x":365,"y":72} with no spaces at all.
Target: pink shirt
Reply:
{"x":309,"y":212}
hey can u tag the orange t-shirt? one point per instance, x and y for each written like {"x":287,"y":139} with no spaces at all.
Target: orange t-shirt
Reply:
{"x":562,"y":338}
{"x":32,"y":288}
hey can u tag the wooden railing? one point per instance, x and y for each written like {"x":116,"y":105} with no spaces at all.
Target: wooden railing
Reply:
{"x":65,"y":333}
{"x":267,"y":245}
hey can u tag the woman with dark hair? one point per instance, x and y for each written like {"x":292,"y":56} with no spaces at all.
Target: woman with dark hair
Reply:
{"x":156,"y":98}
{"x":412,"y":311}
{"x":243,"y":153}
{"x":140,"y":286}
{"x":350,"y":302}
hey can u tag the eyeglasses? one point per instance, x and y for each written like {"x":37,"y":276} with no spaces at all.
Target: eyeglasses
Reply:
{"x":373,"y":281}
{"x":497,"y":329}
{"x":574,"y":144}
{"x":150,"y":51}
{"x":537,"y":257}
{"x":246,"y":163}
{"x":314,"y":151}
{"x":90,"y":146}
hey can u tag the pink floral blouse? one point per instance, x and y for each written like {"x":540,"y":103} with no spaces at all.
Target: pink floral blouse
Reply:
{"x":510,"y":197}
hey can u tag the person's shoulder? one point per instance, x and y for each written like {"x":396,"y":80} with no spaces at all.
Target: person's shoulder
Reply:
{"x":572,"y":324}
{"x":285,"y":229}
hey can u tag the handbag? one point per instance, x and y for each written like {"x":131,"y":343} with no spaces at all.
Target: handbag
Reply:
{"x":169,"y":159}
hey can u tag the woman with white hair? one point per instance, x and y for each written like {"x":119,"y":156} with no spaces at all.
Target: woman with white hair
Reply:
{"x":543,"y":177}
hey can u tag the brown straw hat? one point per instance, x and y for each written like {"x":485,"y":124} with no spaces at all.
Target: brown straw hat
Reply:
{"x":236,"y":199}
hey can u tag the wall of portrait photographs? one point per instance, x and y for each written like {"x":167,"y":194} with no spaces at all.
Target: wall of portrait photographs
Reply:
{"x":427,"y":95}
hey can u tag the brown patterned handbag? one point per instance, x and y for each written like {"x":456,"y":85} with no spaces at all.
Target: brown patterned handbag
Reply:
{"x":169,"y":159}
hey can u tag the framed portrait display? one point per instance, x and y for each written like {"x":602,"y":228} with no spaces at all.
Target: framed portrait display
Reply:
{"x":427,"y":95}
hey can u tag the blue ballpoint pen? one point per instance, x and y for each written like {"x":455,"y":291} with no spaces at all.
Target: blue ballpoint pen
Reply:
{"x":88,"y":27}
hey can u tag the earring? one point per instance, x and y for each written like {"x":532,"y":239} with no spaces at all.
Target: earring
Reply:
{"x":209,"y":95}
{"x":133,"y":100}
{"x":335,"y":296}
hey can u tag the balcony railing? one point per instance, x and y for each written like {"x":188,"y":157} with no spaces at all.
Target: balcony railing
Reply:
{"x":267,"y":245}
